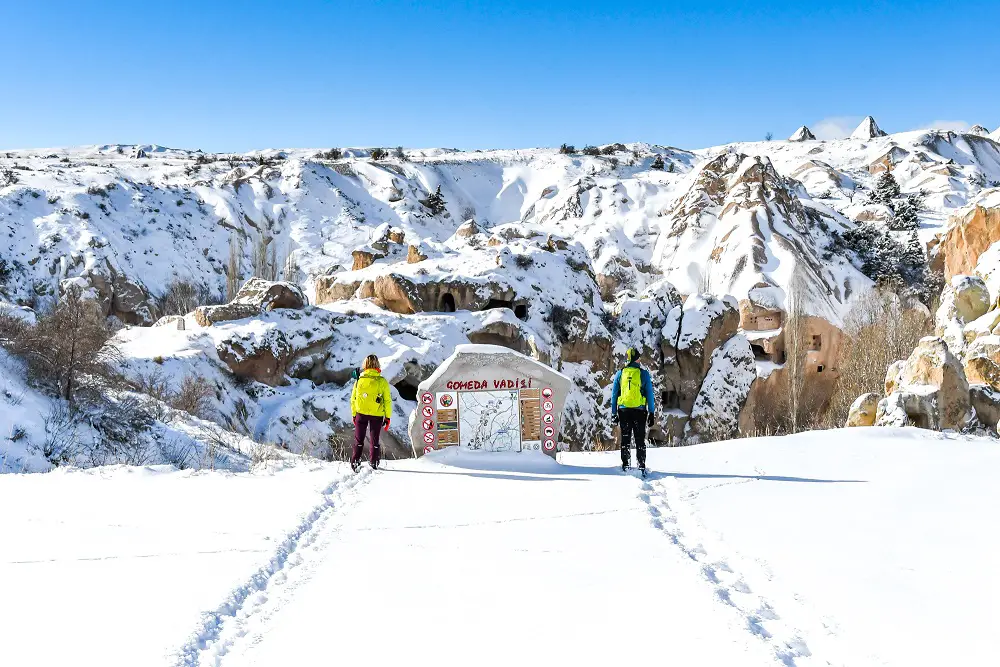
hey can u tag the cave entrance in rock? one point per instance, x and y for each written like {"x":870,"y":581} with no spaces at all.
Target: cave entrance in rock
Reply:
{"x":759,"y":353}
{"x":447,"y":302}
{"x":521,"y":311}
{"x":670,"y":399}
{"x":407,"y":390}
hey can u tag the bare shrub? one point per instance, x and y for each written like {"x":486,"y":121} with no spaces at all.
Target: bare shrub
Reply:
{"x":194,"y":397}
{"x":183,"y":296}
{"x":62,"y":435}
{"x":68,"y":350}
{"x":880,"y":329}
{"x":379,"y":153}
{"x":179,"y":454}
{"x":122,"y":428}
{"x":262,"y":454}
{"x":341,"y":446}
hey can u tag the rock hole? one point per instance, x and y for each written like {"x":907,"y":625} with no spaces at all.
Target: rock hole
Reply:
{"x":759,"y":353}
{"x":520,"y":311}
{"x":670,"y":399}
{"x":407,"y":390}
{"x":448,"y":303}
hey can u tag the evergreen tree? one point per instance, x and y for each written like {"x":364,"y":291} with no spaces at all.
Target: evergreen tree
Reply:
{"x":658,"y":163}
{"x":906,"y":218}
{"x":435,"y":202}
{"x":886,"y":190}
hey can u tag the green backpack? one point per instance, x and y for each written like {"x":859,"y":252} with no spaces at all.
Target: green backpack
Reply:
{"x":630,"y":389}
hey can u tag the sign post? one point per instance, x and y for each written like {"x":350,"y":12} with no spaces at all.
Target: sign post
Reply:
{"x":492,"y":399}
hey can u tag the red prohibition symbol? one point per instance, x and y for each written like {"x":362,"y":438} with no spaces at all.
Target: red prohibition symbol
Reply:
{"x":549,"y":431}
{"x":428,"y":424}
{"x":428,"y":411}
{"x":547,"y":406}
{"x":428,"y":449}
{"x":548,"y":419}
{"x":427,"y":399}
{"x":549,"y":445}
{"x":547,"y":392}
{"x":429,"y":438}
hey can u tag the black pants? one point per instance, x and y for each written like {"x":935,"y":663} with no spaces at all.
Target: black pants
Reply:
{"x":633,"y":425}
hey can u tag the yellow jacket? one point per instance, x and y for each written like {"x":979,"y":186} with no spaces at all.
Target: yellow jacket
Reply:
{"x":371,"y":395}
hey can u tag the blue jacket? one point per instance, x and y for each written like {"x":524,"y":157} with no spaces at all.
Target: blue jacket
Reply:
{"x":647,"y":390}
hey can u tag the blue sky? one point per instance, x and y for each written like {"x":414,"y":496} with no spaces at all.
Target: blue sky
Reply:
{"x":235,"y":76}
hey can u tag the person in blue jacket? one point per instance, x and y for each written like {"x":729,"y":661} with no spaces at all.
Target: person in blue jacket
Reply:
{"x":633,"y":406}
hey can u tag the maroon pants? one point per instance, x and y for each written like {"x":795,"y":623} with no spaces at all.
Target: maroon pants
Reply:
{"x":374,"y":426}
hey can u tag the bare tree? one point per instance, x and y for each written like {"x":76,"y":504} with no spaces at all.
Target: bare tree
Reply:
{"x":880,"y":329}
{"x":234,"y":274}
{"x":68,"y":349}
{"x":795,"y":346}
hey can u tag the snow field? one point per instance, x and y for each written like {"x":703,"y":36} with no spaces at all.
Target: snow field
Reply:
{"x":867,"y":547}
{"x":114,"y":566}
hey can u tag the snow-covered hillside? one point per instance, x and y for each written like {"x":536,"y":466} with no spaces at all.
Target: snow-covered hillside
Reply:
{"x":808,"y":550}
{"x":537,"y":249}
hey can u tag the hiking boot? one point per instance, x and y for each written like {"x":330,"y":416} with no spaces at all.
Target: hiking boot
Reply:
{"x":355,"y":465}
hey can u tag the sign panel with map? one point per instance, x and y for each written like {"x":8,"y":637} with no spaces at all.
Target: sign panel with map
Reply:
{"x":490,"y":399}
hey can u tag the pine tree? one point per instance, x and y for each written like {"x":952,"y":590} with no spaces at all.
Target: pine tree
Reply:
{"x":886,"y":190}
{"x":658,"y":163}
{"x":435,"y":202}
{"x":906,"y":218}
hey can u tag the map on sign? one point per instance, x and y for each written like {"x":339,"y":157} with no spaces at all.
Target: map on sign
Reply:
{"x":490,"y":420}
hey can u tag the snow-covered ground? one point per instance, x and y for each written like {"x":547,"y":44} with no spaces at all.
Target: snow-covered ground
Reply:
{"x":119,"y":565}
{"x":860,"y":547}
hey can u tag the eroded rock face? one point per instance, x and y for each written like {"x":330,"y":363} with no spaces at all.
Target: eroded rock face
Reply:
{"x":932,"y":390}
{"x":115,"y":295}
{"x":414,"y":255}
{"x":399,"y":294}
{"x":964,"y":299}
{"x":364,"y":258}
{"x":983,"y":370}
{"x":329,"y":289}
{"x":969,"y":235}
{"x":255,"y":297}
{"x":863,"y":410}
{"x":720,"y":400}
{"x":691,"y":335}
{"x":986,"y":402}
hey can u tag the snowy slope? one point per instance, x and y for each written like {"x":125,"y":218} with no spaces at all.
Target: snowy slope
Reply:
{"x":798,"y":551}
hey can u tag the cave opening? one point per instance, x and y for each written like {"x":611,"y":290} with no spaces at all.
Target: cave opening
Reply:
{"x":447,"y":302}
{"x":759,"y":353}
{"x":521,"y":311}
{"x":670,"y":399}
{"x":407,"y":390}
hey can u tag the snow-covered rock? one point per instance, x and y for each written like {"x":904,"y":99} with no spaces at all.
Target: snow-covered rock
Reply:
{"x":802,"y":134}
{"x":931,"y":390}
{"x":867,"y":129}
{"x":715,"y":414}
{"x":863,"y":410}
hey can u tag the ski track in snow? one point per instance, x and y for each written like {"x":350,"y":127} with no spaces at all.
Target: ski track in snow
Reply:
{"x":727,"y":572}
{"x":268,"y":589}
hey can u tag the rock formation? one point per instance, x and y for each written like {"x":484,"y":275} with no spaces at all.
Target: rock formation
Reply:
{"x":863,"y":410}
{"x":931,"y":391}
{"x":802,"y":134}
{"x":867,"y":129}
{"x":255,"y":297}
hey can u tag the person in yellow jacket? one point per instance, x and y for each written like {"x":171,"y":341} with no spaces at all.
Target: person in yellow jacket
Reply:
{"x":371,"y":407}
